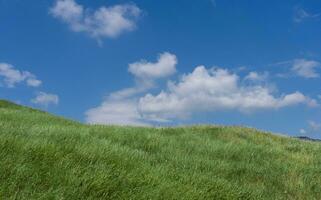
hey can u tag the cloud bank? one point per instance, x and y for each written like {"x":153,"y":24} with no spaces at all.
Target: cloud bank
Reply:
{"x":202,"y":90}
{"x":209,"y":90}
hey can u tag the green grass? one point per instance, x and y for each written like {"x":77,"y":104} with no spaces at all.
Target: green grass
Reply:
{"x":47,"y":157}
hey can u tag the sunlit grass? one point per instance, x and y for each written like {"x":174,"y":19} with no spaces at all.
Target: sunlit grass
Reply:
{"x":46,"y":157}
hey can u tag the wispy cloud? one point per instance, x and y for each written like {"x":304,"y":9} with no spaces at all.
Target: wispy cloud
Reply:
{"x":45,"y":99}
{"x":314,"y":125}
{"x":299,"y":68}
{"x":301,"y":15}
{"x":116,"y":112}
{"x":312,"y":128}
{"x":105,"y":22}
{"x":306,"y":68}
{"x":12,"y":76}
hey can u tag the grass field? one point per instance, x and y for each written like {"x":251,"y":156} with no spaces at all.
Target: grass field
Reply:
{"x":47,"y":157}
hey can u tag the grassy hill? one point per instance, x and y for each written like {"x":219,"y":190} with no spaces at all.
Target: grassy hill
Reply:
{"x":47,"y":157}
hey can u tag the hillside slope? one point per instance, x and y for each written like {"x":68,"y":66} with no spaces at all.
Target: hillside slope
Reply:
{"x":47,"y":157}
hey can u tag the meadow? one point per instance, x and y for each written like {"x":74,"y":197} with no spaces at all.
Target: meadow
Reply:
{"x":43,"y":156}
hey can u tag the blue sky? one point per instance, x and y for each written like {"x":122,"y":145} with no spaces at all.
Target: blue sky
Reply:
{"x":166,"y":62}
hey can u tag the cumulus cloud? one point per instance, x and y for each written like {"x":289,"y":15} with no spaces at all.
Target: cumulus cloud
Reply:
{"x":146,"y":73}
{"x":105,"y":22}
{"x":12,"y":76}
{"x":208,"y":90}
{"x":45,"y":99}
{"x":120,"y":107}
{"x":203,"y":90}
{"x":165,"y":66}
{"x":301,"y":14}
{"x":306,"y":68}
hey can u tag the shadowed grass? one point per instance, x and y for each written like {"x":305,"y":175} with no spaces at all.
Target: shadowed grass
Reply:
{"x":47,"y":157}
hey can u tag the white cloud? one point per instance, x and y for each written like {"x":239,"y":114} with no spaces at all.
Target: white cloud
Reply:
{"x":132,"y":91}
{"x":68,"y":11}
{"x":306,"y":68}
{"x":165,"y":66}
{"x":146,"y":73}
{"x":203,"y":90}
{"x":300,"y":15}
{"x":45,"y":99}
{"x":299,"y":67}
{"x":107,"y":22}
{"x":120,"y":107}
{"x":212,"y":90}
{"x":119,"y":112}
{"x":255,"y":76}
{"x":33,"y":82}
{"x":12,"y":76}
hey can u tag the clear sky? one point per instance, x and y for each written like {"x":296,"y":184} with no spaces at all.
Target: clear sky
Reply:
{"x":166,"y":62}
